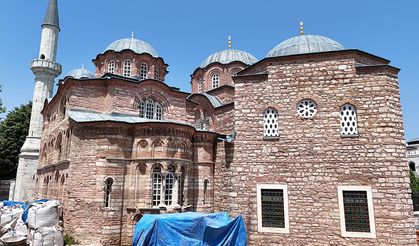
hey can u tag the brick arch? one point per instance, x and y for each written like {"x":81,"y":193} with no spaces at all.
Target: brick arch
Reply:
{"x":158,"y":143}
{"x":346,"y":100}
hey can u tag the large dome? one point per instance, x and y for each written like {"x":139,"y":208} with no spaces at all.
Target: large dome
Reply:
{"x":230,"y":55}
{"x":81,"y":73}
{"x":303,"y":44}
{"x":136,"y":45}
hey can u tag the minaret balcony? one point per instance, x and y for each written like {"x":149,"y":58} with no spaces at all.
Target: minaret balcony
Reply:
{"x":46,"y":65}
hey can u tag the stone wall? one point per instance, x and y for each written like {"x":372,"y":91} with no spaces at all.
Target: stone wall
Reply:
{"x":311,"y":157}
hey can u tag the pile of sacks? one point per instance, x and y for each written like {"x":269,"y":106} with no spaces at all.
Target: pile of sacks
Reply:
{"x":35,"y":224}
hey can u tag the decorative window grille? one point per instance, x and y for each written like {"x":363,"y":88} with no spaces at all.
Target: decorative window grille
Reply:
{"x":206,"y":122}
{"x":306,"y":108}
{"x":168,"y":191}
{"x":348,"y":120}
{"x":108,"y":191}
{"x":111,"y":66}
{"x":272,"y":207}
{"x":156,"y":73}
{"x":198,"y":122}
{"x":150,"y":109}
{"x":356,"y":211}
{"x":141,"y":107}
{"x":127,"y":68}
{"x":143,"y":71}
{"x":200,"y":86}
{"x":215,"y":80}
{"x":270,"y":123}
{"x":157,"y":183}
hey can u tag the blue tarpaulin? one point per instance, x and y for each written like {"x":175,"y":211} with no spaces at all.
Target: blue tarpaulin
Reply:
{"x":216,"y":229}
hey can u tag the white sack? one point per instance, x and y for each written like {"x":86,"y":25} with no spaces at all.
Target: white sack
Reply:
{"x":8,"y":214}
{"x":43,"y":215}
{"x":47,"y":236}
{"x":15,"y":231}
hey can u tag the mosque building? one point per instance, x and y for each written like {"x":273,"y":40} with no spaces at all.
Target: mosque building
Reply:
{"x":306,"y":143}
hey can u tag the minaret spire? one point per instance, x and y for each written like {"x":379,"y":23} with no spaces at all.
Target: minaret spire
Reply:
{"x":301,"y":28}
{"x":51,"y":16}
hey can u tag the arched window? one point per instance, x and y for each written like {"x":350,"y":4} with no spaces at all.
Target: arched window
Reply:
{"x":143,"y":71}
{"x":198,"y":121}
{"x":157,"y":182}
{"x":206,"y":121}
{"x":348,"y":120}
{"x":200,"y":86}
{"x":168,"y":191}
{"x":270,"y":123}
{"x":215,"y":80}
{"x":111,"y":66}
{"x":412,"y":166}
{"x":156,"y":73}
{"x":127,"y":68}
{"x":150,"y":109}
{"x":108,"y":191}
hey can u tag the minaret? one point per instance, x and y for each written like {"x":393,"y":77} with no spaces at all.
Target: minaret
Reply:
{"x":45,"y":70}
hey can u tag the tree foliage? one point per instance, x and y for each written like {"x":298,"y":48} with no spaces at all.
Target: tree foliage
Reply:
{"x":414,"y":182}
{"x":2,"y":108}
{"x":13,"y":131}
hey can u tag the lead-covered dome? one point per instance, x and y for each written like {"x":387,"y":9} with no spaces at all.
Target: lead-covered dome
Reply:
{"x":303,"y":44}
{"x":230,"y":55}
{"x":81,"y":73}
{"x":136,"y":45}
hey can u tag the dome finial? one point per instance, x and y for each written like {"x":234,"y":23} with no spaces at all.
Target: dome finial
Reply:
{"x":229,"y":42}
{"x":132,"y":35}
{"x":82,"y":66}
{"x":301,"y":28}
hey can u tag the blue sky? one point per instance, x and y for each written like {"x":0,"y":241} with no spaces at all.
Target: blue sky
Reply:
{"x":185,"y":32}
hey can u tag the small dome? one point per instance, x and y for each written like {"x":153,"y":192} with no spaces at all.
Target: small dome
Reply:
{"x":81,"y":73}
{"x":136,"y":45}
{"x":230,"y":55}
{"x":303,"y":44}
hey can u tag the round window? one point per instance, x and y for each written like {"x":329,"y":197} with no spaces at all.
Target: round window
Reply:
{"x":306,"y":108}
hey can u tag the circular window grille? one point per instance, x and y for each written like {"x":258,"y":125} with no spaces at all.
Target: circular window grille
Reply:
{"x":306,"y":108}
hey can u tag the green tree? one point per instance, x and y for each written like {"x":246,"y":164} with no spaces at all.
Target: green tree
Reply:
{"x":414,"y":182}
{"x":2,"y":108}
{"x":13,"y":131}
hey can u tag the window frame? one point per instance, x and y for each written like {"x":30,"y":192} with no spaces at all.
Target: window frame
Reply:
{"x":355,"y":116}
{"x":266,"y":125}
{"x":127,"y":69}
{"x":213,"y":76}
{"x":111,"y":66}
{"x":108,"y":187}
{"x":282,"y":187}
{"x":344,"y":233}
{"x":143,"y":71}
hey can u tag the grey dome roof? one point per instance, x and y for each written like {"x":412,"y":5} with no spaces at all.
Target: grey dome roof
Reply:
{"x":81,"y":73}
{"x":230,"y":55}
{"x":303,"y":44}
{"x":136,"y":45}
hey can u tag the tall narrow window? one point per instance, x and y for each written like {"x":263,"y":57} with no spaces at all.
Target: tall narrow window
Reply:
{"x":200,"y":86}
{"x":270,"y":123}
{"x":156,"y":73}
{"x":168,"y":191}
{"x":215,"y":80}
{"x":181,"y":185}
{"x":206,"y":121}
{"x":141,"y":107}
{"x":348,"y":120}
{"x":143,"y":71}
{"x":108,"y":191}
{"x":356,"y":211}
{"x":150,"y":109}
{"x":158,"y":111}
{"x":157,"y":182}
{"x":111,"y":66}
{"x":272,"y":205}
{"x":198,"y":122}
{"x":206,"y":182}
{"x":127,"y":68}
{"x":412,"y":166}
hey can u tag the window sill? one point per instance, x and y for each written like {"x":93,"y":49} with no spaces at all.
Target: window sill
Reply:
{"x":273,"y":230}
{"x":349,"y":136}
{"x":358,"y":234}
{"x":271,"y":138}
